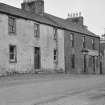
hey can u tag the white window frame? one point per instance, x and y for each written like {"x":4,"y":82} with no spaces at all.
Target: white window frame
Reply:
{"x":55,"y":33}
{"x":72,"y":40}
{"x":36,"y":30}
{"x":14,"y":54}
{"x":55,"y":56}
{"x":11,"y":24}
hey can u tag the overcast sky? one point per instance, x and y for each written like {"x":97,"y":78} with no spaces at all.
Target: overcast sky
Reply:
{"x":92,"y":10}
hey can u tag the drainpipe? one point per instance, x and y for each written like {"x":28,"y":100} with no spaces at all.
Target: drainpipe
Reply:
{"x":100,"y":59}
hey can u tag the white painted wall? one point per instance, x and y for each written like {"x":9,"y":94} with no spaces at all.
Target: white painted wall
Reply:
{"x":61,"y":60}
{"x":25,"y":42}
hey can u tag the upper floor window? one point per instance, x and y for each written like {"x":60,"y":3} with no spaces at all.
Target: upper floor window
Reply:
{"x":12,"y":54}
{"x":55,"y":33}
{"x":12,"y":24}
{"x":36,"y":30}
{"x":84,"y":42}
{"x":72,"y":40}
{"x":93,"y":44}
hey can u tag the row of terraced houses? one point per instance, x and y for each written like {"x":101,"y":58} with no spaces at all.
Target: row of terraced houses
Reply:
{"x":32,"y":40}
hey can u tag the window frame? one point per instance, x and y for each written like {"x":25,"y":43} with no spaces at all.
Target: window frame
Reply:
{"x":14,"y":54}
{"x":93,"y":44}
{"x":55,"y":33}
{"x":36,"y":30}
{"x":55,"y":52}
{"x":72,"y":40}
{"x":73,"y":61}
{"x":84,"y":41}
{"x":12,"y":25}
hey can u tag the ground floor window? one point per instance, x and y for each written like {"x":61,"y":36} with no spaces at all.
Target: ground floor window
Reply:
{"x":12,"y":54}
{"x":55,"y":56}
{"x":73,"y":61}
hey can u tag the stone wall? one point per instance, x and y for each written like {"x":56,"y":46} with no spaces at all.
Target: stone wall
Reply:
{"x":25,"y":42}
{"x":79,"y":57}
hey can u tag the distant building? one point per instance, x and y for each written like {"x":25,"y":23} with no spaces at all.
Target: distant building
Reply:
{"x":102,"y":53}
{"x":34,"y":41}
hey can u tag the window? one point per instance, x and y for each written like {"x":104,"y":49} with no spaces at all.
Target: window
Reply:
{"x":72,"y":40}
{"x":36,"y":30}
{"x":12,"y":24}
{"x":84,"y":42}
{"x":55,"y":56}
{"x":73,"y":61}
{"x":55,"y":33}
{"x":12,"y":54}
{"x":93,"y":44}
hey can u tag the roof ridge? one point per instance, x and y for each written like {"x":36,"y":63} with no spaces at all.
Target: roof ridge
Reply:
{"x":45,"y":19}
{"x":4,"y":4}
{"x":52,"y":20}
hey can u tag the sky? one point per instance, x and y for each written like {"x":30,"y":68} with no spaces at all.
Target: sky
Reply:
{"x":92,"y":11}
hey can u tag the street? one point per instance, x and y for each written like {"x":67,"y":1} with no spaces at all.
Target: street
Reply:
{"x":54,"y":90}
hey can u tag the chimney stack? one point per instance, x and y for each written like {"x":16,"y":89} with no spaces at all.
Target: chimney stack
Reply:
{"x":34,"y":6}
{"x":75,"y":18}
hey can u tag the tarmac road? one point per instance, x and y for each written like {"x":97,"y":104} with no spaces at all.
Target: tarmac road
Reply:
{"x":54,"y":90}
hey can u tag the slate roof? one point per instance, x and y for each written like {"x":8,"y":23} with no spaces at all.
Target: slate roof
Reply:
{"x":71,"y":27}
{"x":7,"y":9}
{"x":45,"y":19}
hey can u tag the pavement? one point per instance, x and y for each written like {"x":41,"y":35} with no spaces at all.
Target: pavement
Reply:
{"x":57,"y":89}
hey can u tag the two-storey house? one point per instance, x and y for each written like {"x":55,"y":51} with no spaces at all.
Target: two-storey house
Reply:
{"x":34,"y":41}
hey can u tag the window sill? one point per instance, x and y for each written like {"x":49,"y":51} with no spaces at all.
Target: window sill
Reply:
{"x":12,"y":62}
{"x":12,"y":33}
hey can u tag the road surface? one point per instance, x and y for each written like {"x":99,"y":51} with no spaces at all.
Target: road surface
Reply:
{"x":54,"y":90}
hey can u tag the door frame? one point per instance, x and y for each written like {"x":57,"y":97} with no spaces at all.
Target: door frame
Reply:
{"x":39,"y":58}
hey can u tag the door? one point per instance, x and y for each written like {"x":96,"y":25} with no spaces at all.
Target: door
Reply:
{"x":101,"y":72}
{"x":94,"y":64}
{"x":85,"y":64}
{"x":37,"y":58}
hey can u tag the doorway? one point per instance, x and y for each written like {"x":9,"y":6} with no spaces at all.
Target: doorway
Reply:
{"x":37,"y":62}
{"x":85,"y":64}
{"x":94,"y":64}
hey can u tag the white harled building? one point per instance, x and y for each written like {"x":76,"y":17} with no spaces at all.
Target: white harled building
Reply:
{"x":29,"y":41}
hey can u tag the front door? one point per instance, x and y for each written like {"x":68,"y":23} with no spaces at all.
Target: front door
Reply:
{"x":94,"y":64}
{"x":37,"y":58}
{"x":85,"y":64}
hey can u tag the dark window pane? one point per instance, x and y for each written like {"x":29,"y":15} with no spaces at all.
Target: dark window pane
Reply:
{"x":36,"y":30}
{"x":12,"y":24}
{"x":73,"y":61}
{"x":12,"y":53}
